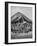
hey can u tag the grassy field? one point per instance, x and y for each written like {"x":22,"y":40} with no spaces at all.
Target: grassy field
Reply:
{"x":21,"y":35}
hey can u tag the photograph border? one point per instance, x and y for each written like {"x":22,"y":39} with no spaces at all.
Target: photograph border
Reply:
{"x":6,"y":22}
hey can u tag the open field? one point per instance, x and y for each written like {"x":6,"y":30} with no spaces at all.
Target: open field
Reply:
{"x":21,"y":35}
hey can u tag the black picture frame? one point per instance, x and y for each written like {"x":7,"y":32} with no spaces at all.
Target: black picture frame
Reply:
{"x":6,"y":22}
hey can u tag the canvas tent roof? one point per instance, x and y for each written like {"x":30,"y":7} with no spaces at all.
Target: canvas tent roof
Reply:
{"x":19,"y":16}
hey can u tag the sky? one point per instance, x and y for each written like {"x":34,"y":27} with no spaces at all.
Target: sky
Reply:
{"x":27,"y":11}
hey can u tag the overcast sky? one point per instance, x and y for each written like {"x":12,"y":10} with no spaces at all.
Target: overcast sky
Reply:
{"x":27,"y":11}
